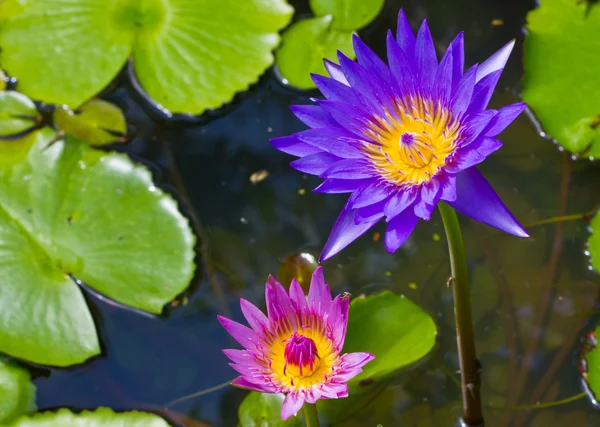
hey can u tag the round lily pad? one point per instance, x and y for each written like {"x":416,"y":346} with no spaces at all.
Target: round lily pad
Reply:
{"x":102,"y":417}
{"x":594,"y":243}
{"x":304,"y":46}
{"x":17,"y":394}
{"x":391,"y":327}
{"x":348,"y":15}
{"x":96,"y":122}
{"x":264,"y":409}
{"x":70,"y":210}
{"x":17,"y":114}
{"x":561,"y":73}
{"x":188,"y":56}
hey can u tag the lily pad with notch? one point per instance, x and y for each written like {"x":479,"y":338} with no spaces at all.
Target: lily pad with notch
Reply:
{"x":17,"y":394}
{"x":101,"y":417}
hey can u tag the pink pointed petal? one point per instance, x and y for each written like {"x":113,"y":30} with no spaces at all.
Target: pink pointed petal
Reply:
{"x":477,"y":199}
{"x":356,"y":360}
{"x":242,"y":334}
{"x":256,"y":318}
{"x":319,"y":295}
{"x":297,"y":296}
{"x":279,"y":304}
{"x":495,"y":62}
{"x":291,"y":405}
{"x":242,"y":357}
{"x":245,"y":383}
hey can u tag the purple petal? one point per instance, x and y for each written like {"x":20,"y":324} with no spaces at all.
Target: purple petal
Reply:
{"x":495,"y":62}
{"x":348,"y":116}
{"x":477,"y":199}
{"x":458,"y":59}
{"x":369,"y":194}
{"x":292,"y":145}
{"x":335,"y":71}
{"x":399,"y":229}
{"x":370,"y":213}
{"x":347,"y":169}
{"x":448,"y":182}
{"x":425,"y":56}
{"x":369,"y":61}
{"x":319,"y":295}
{"x":344,"y":232}
{"x":291,"y":405}
{"x":335,"y":90}
{"x":256,"y":318}
{"x":314,"y":116}
{"x":315,"y":164}
{"x":366,"y":88}
{"x":400,"y":66}
{"x":430,"y":191}
{"x":242,"y":334}
{"x":476,"y":125}
{"x":421,"y":208}
{"x":482,"y":92}
{"x":245,"y":383}
{"x":297,"y":296}
{"x":405,"y":35}
{"x":397,"y":203}
{"x":334,"y":185}
{"x":473,"y":154}
{"x":443,"y":76}
{"x":505,"y":116}
{"x":464,"y":91}
{"x":339,"y":142}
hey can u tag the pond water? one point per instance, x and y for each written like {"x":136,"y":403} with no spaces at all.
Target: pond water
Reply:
{"x":533,"y":299}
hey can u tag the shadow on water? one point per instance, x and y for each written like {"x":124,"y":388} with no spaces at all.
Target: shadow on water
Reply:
{"x":531,"y":296}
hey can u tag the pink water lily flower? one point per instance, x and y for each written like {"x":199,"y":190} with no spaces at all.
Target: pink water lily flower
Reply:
{"x":297,"y":348}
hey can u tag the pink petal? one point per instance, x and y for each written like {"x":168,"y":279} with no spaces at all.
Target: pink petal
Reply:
{"x":291,"y":405}
{"x":297,"y":296}
{"x":242,"y":334}
{"x":319,"y":296}
{"x":244,"y":383}
{"x":256,"y":318}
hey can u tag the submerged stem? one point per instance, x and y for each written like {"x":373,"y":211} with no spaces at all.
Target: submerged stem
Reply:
{"x":311,"y":417}
{"x":470,"y":368}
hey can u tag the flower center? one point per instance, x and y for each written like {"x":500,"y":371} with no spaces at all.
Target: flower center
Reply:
{"x":411,"y":146}
{"x":301,"y":356}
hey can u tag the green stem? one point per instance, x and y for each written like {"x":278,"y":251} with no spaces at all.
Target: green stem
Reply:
{"x":470,"y":368}
{"x":310,"y":415}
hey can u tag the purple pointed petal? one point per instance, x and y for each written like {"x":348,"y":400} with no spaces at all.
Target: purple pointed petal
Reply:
{"x":400,"y":66}
{"x":473,"y":154}
{"x":398,"y":230}
{"x":476,"y":125}
{"x":397,"y":203}
{"x":430,"y":192}
{"x":366,"y":88}
{"x":477,"y":199}
{"x":347,"y":169}
{"x":348,"y":116}
{"x":443,"y":76}
{"x":405,"y":35}
{"x":256,"y":318}
{"x":495,"y":62}
{"x":370,"y":213}
{"x":421,"y":208}
{"x":291,"y":405}
{"x":464,"y":91}
{"x":505,"y":116}
{"x":245,"y":383}
{"x":292,"y":145}
{"x":482,"y":93}
{"x":339,"y":142}
{"x":344,"y":232}
{"x":315,"y":164}
{"x":369,"y":61}
{"x":425,"y":56}
{"x":242,"y":334}
{"x":448,"y":183}
{"x":319,"y":295}
{"x":314,"y":116}
{"x":369,"y":194}
{"x":297,"y":296}
{"x":335,"y":91}
{"x":458,"y":59}
{"x":335,"y":71}
{"x":334,"y":185}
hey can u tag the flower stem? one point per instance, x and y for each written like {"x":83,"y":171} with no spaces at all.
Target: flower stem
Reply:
{"x":310,"y":415}
{"x":470,"y":368}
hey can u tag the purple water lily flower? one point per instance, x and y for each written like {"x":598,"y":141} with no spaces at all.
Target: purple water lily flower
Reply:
{"x":297,"y":349}
{"x":403,"y":136}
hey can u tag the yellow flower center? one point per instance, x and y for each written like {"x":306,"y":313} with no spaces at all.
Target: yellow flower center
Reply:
{"x":302,"y":359}
{"x":413,"y":145}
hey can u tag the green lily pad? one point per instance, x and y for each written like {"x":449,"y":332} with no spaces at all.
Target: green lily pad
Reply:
{"x":96,"y":122}
{"x":561,"y":73}
{"x":391,"y":327}
{"x":67,"y":210}
{"x":264,"y":409}
{"x":188,"y":56}
{"x":348,"y":15}
{"x":17,"y":113}
{"x":304,"y":46}
{"x":102,"y":417}
{"x":3,"y":80}
{"x":594,"y":243}
{"x":589,"y":363}
{"x":17,"y":394}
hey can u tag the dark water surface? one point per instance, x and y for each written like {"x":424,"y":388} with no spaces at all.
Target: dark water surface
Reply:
{"x":532,"y":298}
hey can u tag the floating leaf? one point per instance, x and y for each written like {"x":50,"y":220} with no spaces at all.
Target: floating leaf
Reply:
{"x":393,"y":328}
{"x":17,"y":113}
{"x":348,"y":15}
{"x":188,"y":55}
{"x":3,"y":80}
{"x":17,"y":394}
{"x":264,"y":409}
{"x":96,"y":122}
{"x":70,"y":209}
{"x":594,"y":243}
{"x":561,"y":73}
{"x":102,"y":417}
{"x":303,"y":47}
